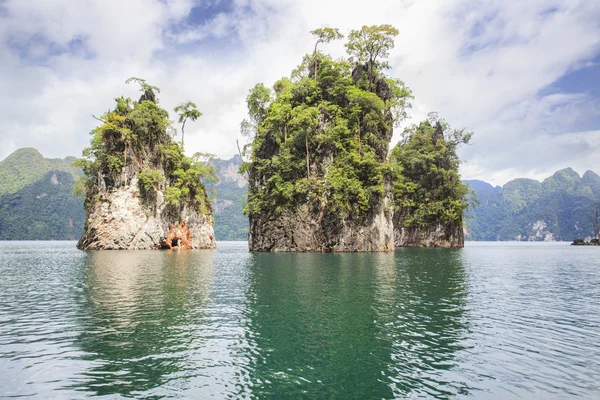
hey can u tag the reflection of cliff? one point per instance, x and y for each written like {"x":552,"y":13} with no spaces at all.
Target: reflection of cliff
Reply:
{"x":354,"y":325}
{"x":139,"y":307}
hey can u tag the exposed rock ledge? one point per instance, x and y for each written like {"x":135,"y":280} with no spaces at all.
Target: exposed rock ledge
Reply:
{"x":118,"y":220}
{"x":304,"y":232}
{"x":436,"y":235}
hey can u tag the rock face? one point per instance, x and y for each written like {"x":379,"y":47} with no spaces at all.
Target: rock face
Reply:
{"x":432,"y":236}
{"x":119,"y":219}
{"x":303,"y":230}
{"x":179,"y":237}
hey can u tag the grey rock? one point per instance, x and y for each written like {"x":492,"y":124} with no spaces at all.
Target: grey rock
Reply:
{"x":435,"y":235}
{"x":303,"y":230}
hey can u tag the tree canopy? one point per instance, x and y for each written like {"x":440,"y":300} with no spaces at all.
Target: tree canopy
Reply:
{"x":371,"y":45}
{"x":144,"y":86}
{"x":186,"y":110}
{"x":326,"y":35}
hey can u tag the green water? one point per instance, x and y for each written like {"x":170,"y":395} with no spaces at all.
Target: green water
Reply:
{"x":487,"y":321}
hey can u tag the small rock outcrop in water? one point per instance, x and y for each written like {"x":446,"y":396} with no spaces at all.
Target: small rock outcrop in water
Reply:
{"x":141,"y":192}
{"x":581,"y":242}
{"x":319,"y":174}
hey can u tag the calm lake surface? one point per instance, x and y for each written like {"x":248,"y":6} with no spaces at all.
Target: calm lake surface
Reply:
{"x":492,"y":320}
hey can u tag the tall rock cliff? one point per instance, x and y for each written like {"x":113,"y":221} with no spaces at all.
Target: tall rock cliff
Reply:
{"x":141,"y":191}
{"x":338,"y":198}
{"x":319,"y":179}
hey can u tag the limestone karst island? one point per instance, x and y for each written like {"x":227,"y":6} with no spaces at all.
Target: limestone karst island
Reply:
{"x":141,"y":191}
{"x":321,"y":174}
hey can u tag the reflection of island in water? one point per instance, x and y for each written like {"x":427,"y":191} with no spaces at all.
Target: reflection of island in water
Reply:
{"x":139,"y":307}
{"x":376,"y":325}
{"x":356,"y":325}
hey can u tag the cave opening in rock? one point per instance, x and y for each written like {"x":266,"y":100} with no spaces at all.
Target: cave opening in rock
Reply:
{"x":174,"y":242}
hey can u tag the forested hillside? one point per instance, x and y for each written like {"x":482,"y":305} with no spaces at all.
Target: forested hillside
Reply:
{"x":561,"y":207}
{"x":43,"y":210}
{"x":26,"y":166}
{"x":36,"y":200}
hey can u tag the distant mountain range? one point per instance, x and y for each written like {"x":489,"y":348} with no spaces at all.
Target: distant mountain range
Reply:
{"x":562,"y":207}
{"x":230,"y":194}
{"x":36,"y":203}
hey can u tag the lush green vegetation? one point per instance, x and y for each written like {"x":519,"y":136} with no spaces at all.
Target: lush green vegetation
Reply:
{"x":43,"y":210}
{"x":322,"y":136}
{"x":140,"y":134}
{"x":426,"y":183}
{"x":561,"y":207}
{"x":26,"y":166}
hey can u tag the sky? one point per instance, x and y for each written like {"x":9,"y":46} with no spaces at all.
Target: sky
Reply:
{"x":524,"y":76}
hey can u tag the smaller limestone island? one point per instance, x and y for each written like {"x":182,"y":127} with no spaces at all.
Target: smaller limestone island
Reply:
{"x":320,"y":174}
{"x":141,"y":191}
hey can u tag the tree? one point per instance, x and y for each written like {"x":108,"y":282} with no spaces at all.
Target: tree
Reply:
{"x":258,"y":101}
{"x":371,"y":45}
{"x":324,"y":35}
{"x":454,"y":138}
{"x":186,"y":110}
{"x":147,"y":89}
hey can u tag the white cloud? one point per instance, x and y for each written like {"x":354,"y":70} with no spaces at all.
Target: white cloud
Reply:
{"x":481,"y":64}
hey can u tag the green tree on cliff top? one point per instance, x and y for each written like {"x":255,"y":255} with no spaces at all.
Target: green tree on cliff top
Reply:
{"x":371,"y":45}
{"x":186,"y":110}
{"x":323,"y":35}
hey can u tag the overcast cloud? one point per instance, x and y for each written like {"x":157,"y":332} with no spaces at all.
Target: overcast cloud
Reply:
{"x":523,"y":75}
